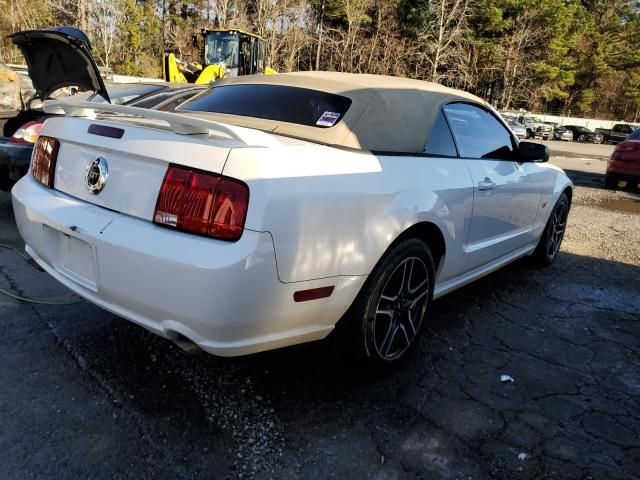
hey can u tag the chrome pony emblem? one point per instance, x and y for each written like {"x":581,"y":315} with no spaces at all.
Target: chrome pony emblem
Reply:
{"x":96,"y":175}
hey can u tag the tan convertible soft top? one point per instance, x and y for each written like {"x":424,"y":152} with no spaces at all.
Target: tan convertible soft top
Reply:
{"x":389,"y":114}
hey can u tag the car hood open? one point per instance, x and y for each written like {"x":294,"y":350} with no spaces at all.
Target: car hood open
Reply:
{"x":59,"y":57}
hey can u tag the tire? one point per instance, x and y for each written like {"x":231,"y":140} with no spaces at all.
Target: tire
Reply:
{"x":581,"y":138}
{"x":387,"y":317}
{"x":611,"y":181}
{"x":549,"y":245}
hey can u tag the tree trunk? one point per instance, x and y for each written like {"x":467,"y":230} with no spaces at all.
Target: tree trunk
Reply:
{"x":320,"y":28}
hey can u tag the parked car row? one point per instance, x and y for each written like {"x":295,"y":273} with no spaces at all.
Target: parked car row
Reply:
{"x":533,"y":126}
{"x":527,"y":126}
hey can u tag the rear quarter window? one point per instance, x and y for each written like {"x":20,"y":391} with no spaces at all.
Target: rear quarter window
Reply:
{"x":635,"y":135}
{"x":301,"y":106}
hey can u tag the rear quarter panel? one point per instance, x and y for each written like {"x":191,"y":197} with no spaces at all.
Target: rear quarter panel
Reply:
{"x":334,"y":211}
{"x":554,"y":182}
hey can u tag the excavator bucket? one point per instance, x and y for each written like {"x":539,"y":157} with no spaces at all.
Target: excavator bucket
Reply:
{"x":211,"y":73}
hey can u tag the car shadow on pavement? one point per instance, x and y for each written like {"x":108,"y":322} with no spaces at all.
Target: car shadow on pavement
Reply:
{"x":566,"y":335}
{"x":596,"y":180}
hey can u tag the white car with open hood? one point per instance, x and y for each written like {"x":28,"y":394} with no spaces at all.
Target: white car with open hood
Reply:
{"x":273,"y":208}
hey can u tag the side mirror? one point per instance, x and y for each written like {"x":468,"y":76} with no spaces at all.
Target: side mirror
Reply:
{"x":533,"y":152}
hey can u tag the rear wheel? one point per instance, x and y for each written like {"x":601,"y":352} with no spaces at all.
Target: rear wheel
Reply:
{"x":549,"y":245}
{"x":383,"y":324}
{"x":611,"y":181}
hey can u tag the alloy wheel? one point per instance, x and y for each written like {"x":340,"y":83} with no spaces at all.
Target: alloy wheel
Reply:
{"x":556,"y":230}
{"x":401,"y":308}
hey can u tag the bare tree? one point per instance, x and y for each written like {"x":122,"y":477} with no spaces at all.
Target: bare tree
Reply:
{"x":517,"y":48}
{"x":355,"y":13}
{"x":106,"y":16}
{"x":440,"y":35}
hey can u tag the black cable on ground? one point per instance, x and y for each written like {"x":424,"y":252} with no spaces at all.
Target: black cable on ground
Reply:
{"x":31,"y":300}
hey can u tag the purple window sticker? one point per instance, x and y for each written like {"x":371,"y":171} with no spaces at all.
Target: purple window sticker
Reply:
{"x":328,"y":119}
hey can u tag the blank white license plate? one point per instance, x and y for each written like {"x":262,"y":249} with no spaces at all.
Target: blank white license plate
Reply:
{"x":72,"y":257}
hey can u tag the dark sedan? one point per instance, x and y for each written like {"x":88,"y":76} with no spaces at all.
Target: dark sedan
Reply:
{"x":584,"y":135}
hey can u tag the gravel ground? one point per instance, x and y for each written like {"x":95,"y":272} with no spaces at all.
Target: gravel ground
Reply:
{"x":88,"y":395}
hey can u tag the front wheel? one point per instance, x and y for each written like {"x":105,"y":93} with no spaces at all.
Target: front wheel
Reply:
{"x":551,"y":239}
{"x":383,"y":324}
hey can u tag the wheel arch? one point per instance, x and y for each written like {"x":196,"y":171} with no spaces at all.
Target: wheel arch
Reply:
{"x":568,"y":191}
{"x":430,"y":234}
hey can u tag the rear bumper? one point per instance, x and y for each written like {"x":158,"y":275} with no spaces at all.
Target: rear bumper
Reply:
{"x":622,"y":166}
{"x":225,"y":297}
{"x":563,"y":137}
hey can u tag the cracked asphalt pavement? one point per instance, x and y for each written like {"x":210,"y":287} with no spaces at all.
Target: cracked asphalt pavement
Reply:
{"x":85,"y":394}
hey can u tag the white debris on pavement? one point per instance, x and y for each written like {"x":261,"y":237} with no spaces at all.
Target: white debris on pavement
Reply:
{"x":506,"y":378}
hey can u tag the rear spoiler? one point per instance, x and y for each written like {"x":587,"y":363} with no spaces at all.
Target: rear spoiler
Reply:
{"x":178,"y":123}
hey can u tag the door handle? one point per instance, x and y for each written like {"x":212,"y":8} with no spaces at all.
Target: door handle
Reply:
{"x":486,"y":184}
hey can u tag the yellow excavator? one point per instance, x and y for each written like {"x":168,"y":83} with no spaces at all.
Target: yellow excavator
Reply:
{"x":224,"y":52}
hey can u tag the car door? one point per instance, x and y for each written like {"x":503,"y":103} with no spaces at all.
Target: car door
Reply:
{"x":506,"y":194}
{"x":456,"y":195}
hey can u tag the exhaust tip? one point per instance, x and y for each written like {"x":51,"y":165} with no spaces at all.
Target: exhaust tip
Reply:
{"x":187,"y":345}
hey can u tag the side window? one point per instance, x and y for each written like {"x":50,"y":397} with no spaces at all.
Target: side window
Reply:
{"x":478,"y":133}
{"x":440,"y":141}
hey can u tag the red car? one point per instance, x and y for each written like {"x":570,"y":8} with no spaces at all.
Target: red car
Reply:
{"x":624,"y":163}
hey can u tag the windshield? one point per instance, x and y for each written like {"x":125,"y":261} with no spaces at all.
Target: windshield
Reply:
{"x":151,"y":101}
{"x":302,"y":106}
{"x":222,"y":47}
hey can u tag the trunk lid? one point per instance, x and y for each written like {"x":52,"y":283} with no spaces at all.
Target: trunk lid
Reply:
{"x":59,"y":57}
{"x":134,"y":164}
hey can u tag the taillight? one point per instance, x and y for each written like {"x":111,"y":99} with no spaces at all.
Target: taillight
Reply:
{"x":202,"y":202}
{"x":43,"y":160}
{"x":627,"y":147}
{"x":28,"y":133}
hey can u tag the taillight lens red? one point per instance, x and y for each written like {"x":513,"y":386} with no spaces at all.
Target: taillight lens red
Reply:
{"x":627,"y":147}
{"x":202,"y":202}
{"x":43,"y":160}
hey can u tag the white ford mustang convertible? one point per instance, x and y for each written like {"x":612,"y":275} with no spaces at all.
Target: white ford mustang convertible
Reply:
{"x":270,"y":208}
